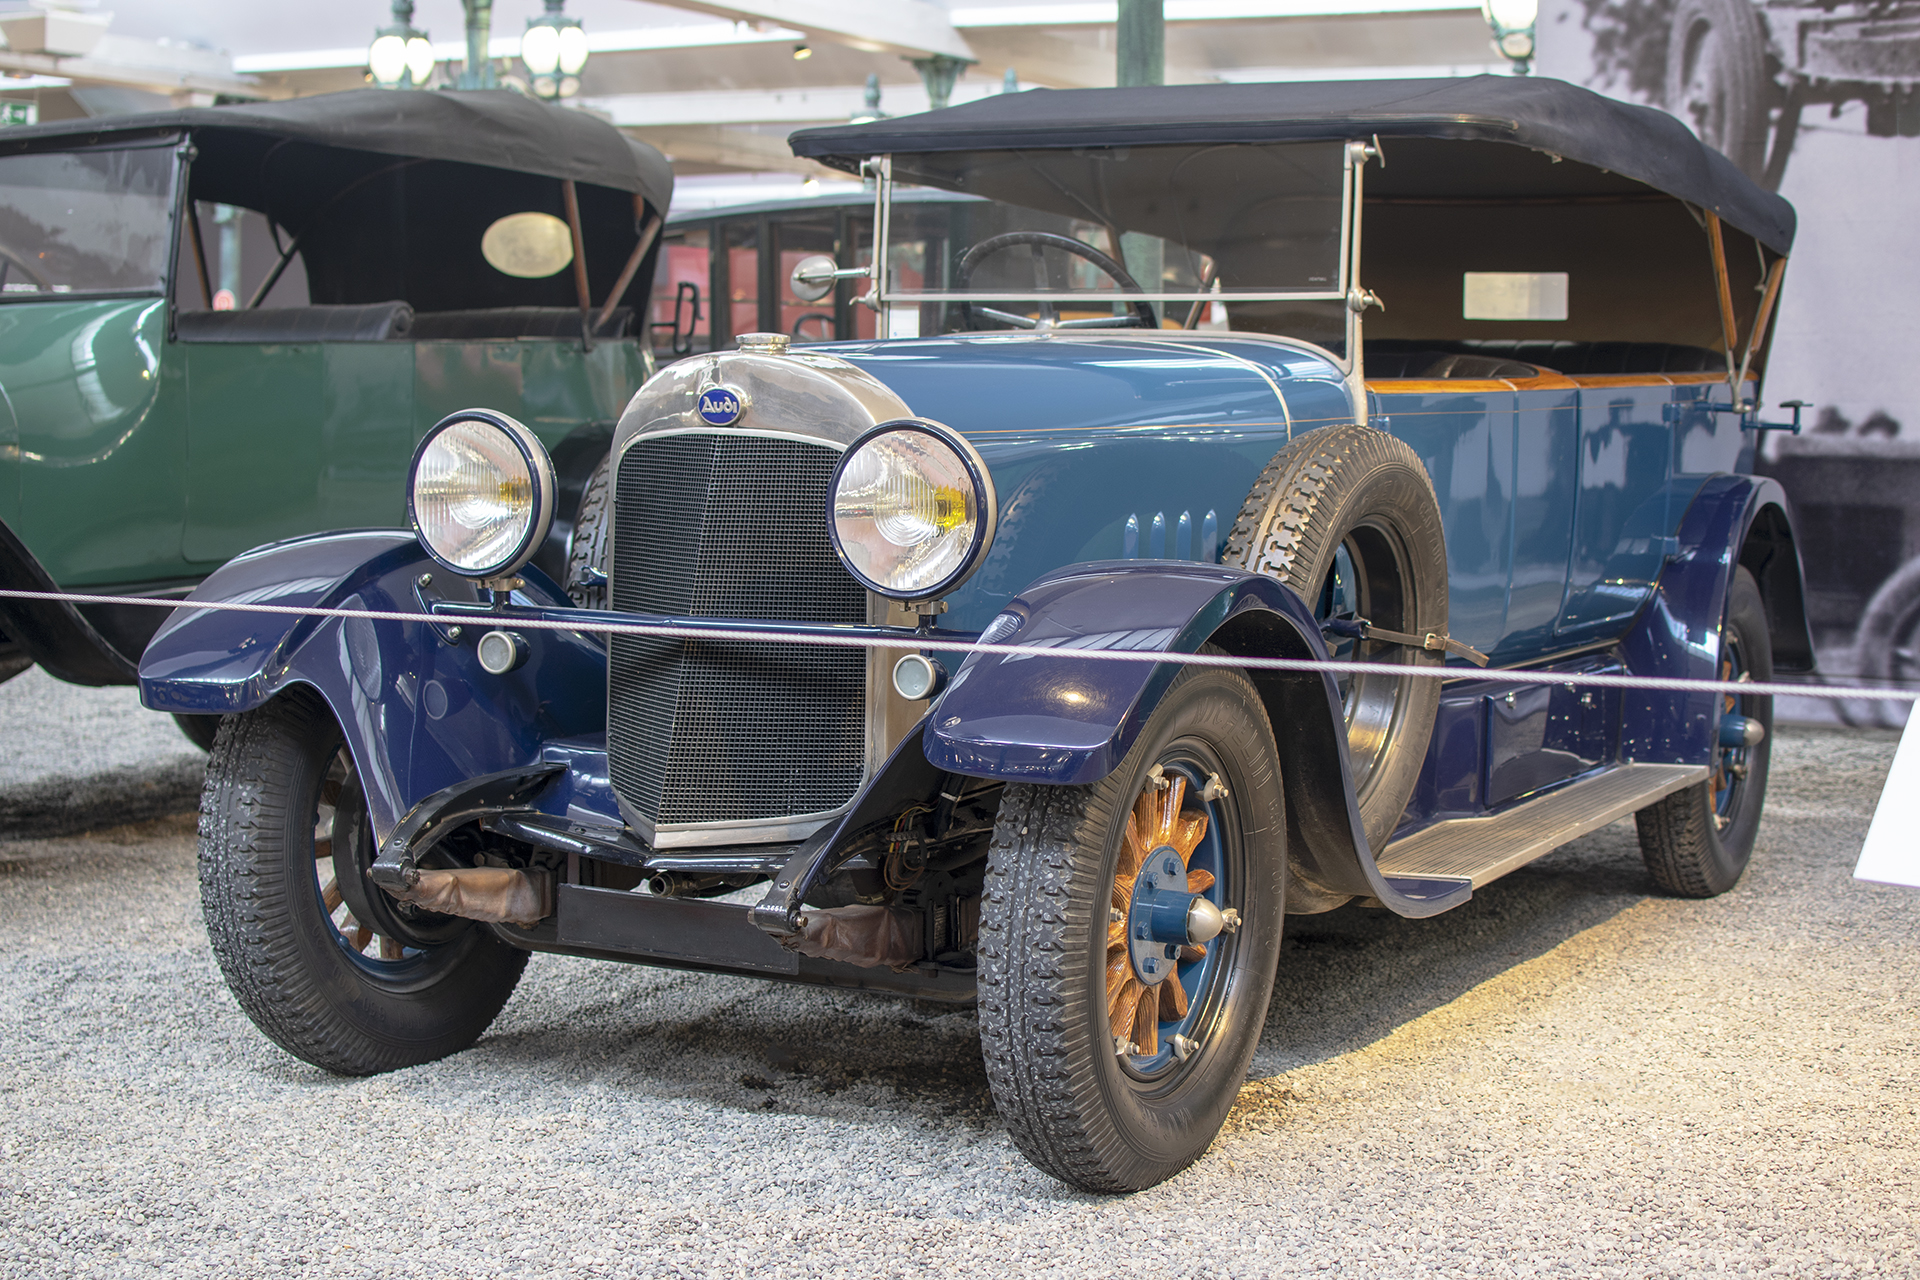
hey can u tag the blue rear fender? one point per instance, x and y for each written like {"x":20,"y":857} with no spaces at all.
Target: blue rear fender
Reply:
{"x":418,"y":712}
{"x":1067,"y":721}
{"x":1733,"y":520}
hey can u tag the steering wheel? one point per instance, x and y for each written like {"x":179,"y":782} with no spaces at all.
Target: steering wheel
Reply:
{"x":820,"y":318}
{"x":1143,"y":317}
{"x":26,"y":266}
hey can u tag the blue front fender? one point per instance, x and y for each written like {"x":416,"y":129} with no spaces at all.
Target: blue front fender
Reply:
{"x":1068,"y":721}
{"x":418,"y":711}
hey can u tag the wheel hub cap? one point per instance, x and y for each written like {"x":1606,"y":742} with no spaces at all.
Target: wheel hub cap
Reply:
{"x":1160,"y":918}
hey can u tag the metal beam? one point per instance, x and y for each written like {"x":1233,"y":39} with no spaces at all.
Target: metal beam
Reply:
{"x":910,"y":28}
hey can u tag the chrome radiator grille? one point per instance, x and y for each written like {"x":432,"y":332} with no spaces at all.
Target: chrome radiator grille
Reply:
{"x":724,"y":526}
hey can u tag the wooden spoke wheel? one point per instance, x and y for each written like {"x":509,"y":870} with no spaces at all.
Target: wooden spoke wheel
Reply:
{"x":359,"y":938}
{"x":1129,"y":934}
{"x":322,"y":961}
{"x":1153,"y":974}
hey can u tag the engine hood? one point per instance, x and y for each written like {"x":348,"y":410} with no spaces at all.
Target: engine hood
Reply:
{"x":1024,"y":386}
{"x":1100,"y":446}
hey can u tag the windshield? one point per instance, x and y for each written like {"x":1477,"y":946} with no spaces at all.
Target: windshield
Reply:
{"x":94,"y":221}
{"x":1181,"y":223}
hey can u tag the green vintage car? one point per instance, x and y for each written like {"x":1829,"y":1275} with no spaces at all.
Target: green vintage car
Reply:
{"x":226,"y":326}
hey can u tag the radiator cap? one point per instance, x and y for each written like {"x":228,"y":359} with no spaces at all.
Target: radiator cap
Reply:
{"x":771,"y":344}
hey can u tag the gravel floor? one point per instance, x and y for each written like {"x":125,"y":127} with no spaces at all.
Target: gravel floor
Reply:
{"x":71,"y":757}
{"x":1565,"y":1076}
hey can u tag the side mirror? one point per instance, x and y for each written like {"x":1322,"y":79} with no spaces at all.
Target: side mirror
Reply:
{"x":815,"y":275}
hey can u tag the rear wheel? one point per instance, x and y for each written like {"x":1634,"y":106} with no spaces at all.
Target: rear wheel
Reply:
{"x":199,"y":730}
{"x":1347,"y":517}
{"x":327,"y":966}
{"x":1697,"y":842}
{"x":1115,"y":1023}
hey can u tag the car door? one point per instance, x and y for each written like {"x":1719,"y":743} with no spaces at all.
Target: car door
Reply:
{"x":289,"y":435}
{"x":95,"y":490}
{"x":1623,"y":512}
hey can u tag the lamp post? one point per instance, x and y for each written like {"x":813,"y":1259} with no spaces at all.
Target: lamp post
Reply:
{"x":478,"y":71}
{"x":400,"y":57}
{"x":554,"y":49}
{"x":1513,"y":23}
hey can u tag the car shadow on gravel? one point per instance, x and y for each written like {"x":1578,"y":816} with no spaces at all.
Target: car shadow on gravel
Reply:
{"x":1346,"y":979}
{"x":1353,"y":976}
{"x":65,"y":806}
{"x":745,"y":1043}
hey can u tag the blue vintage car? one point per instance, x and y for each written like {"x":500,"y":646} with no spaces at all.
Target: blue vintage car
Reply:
{"x":1454,"y":381}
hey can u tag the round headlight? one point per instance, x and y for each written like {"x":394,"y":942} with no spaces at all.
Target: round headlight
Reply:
{"x":911,"y":509}
{"x":481,"y":493}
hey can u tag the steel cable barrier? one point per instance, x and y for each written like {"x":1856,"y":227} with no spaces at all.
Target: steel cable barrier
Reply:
{"x":915,"y":643}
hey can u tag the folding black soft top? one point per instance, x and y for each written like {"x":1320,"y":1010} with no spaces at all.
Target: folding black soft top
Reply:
{"x":498,"y":129}
{"x":388,"y":195}
{"x":1541,"y":115}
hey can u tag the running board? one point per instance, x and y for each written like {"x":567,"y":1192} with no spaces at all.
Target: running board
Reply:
{"x":1482,"y":850}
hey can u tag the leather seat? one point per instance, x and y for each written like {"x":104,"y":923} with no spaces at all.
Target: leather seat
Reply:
{"x":368,"y":322}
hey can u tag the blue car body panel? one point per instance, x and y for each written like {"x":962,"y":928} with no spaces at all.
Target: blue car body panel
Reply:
{"x":1593,"y":522}
{"x":1107,"y":447}
{"x":417,"y":711}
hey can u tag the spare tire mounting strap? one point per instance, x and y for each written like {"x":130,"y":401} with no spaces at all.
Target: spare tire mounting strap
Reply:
{"x":1361,"y":629}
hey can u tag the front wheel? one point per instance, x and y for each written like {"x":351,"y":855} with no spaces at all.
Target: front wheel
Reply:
{"x":1129,"y":934}
{"x":329,"y":968}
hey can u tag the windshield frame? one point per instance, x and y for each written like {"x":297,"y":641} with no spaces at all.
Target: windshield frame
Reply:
{"x":1344,"y":289}
{"x":173,"y":139}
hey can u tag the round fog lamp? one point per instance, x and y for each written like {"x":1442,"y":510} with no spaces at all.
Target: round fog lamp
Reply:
{"x":916,"y":677}
{"x":480,"y":495}
{"x":500,"y":652}
{"x":911,"y":509}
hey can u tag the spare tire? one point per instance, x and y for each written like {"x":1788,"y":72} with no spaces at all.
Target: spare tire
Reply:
{"x":1347,"y":517}
{"x":587,"y":547}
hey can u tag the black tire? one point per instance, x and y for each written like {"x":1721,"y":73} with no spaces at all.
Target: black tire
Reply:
{"x":276,"y":777}
{"x":1717,"y":80}
{"x":587,"y":547}
{"x":1697,"y":842}
{"x":1355,"y":498}
{"x":200,"y":730}
{"x":1075,"y":1106}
